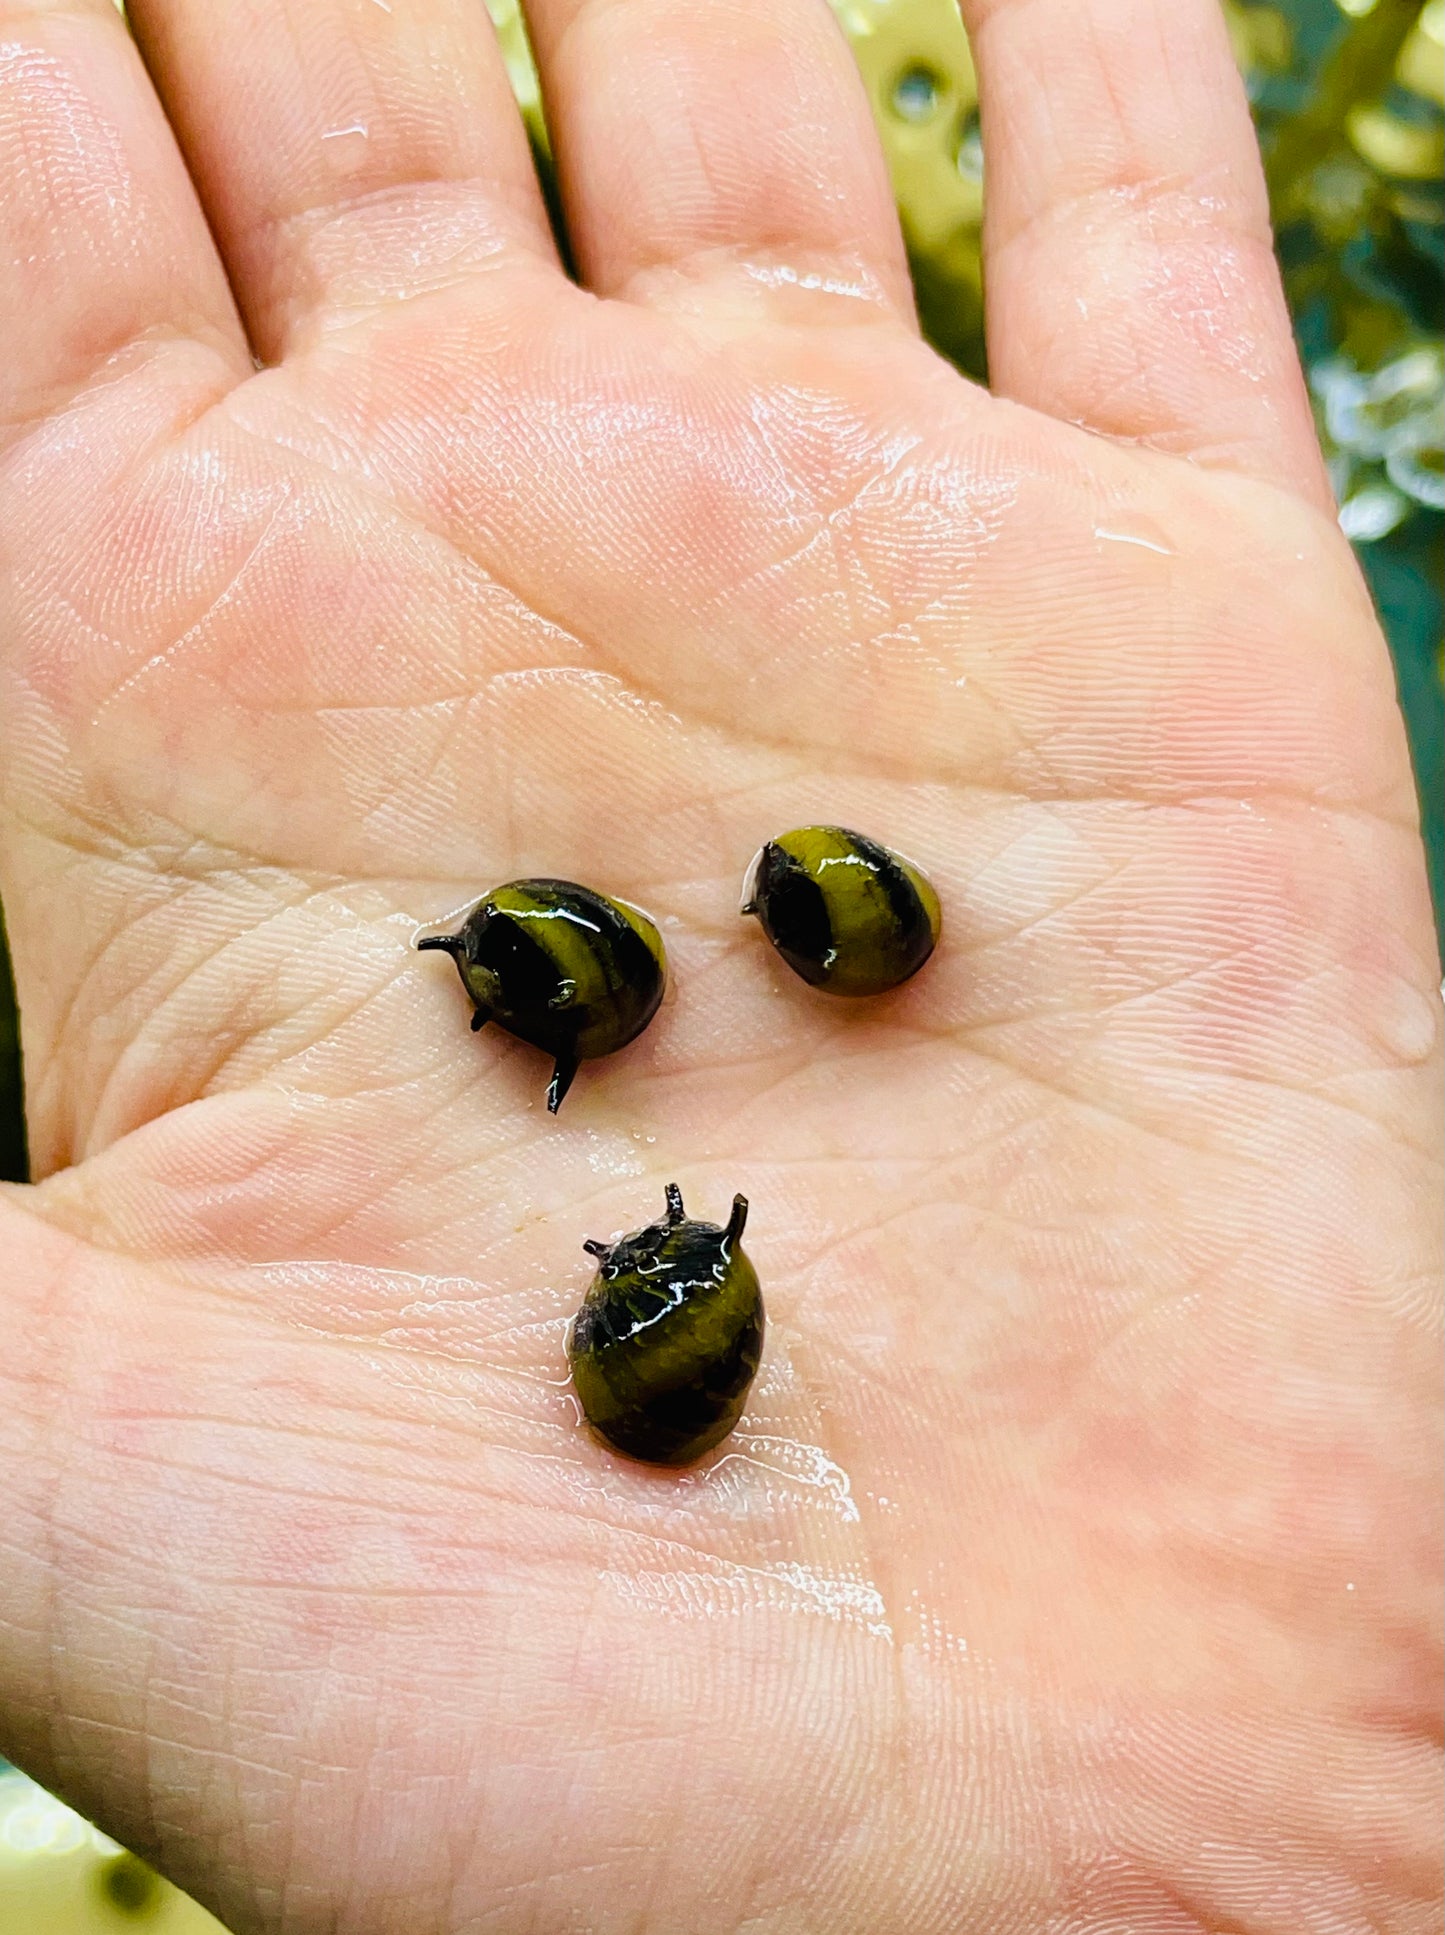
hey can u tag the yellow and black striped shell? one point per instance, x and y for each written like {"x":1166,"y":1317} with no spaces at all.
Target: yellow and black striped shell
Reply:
{"x":567,"y":969}
{"x":669,"y":1336}
{"x":846,"y":914}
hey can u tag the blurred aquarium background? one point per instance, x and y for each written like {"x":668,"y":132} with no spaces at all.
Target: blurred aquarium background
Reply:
{"x":1349,"y":99}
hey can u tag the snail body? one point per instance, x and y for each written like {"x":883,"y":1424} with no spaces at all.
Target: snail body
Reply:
{"x":669,"y":1336}
{"x":849,"y":916}
{"x":569,"y":970}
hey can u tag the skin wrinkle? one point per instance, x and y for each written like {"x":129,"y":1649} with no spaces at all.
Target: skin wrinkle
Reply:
{"x":838,"y":293}
{"x":1157,"y":202}
{"x":1135,"y":374}
{"x":715,"y":722}
{"x":1360,"y":1115}
{"x":969,"y":1035}
{"x":474,"y":193}
{"x":208,"y":1077}
{"x":120,"y":853}
{"x":363,"y":311}
{"x":850,"y":506}
{"x":77,"y":996}
{"x":113,"y":365}
{"x":1118,"y":401}
{"x":1153,"y":989}
{"x":214,"y":604}
{"x":670,"y":1545}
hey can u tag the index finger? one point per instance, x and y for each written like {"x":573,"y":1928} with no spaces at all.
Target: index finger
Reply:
{"x":1132,"y":284}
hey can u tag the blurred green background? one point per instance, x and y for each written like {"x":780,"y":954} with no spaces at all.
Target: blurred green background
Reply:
{"x":1348,"y":98}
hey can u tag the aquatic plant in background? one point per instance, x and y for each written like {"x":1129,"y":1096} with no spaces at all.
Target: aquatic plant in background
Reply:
{"x":1349,"y":100}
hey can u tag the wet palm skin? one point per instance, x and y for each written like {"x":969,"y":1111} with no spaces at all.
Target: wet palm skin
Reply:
{"x":1075,"y":1564}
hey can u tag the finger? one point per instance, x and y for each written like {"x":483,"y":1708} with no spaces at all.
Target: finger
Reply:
{"x":1131,"y":278}
{"x":688,"y":137}
{"x":348,"y":151}
{"x":102,"y":242}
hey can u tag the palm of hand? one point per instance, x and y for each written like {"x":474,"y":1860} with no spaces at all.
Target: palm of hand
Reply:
{"x":1053,"y":1532}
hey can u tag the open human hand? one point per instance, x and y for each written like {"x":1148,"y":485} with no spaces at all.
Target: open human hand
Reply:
{"x":1073,"y":1570}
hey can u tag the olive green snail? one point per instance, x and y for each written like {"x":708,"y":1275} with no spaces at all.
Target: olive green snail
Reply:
{"x":849,"y":916}
{"x":567,"y":969}
{"x":669,"y":1336}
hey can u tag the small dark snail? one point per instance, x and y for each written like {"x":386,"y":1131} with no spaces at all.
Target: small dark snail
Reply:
{"x":846,"y":914}
{"x":668,"y":1337}
{"x":560,"y":966}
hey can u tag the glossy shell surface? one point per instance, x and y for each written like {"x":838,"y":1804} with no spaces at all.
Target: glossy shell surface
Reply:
{"x":558,"y":965}
{"x":848,"y":915}
{"x":669,"y":1336}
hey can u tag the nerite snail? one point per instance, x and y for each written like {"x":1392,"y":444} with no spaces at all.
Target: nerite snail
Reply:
{"x":669,"y":1336}
{"x":570,"y":970}
{"x":848,"y":915}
